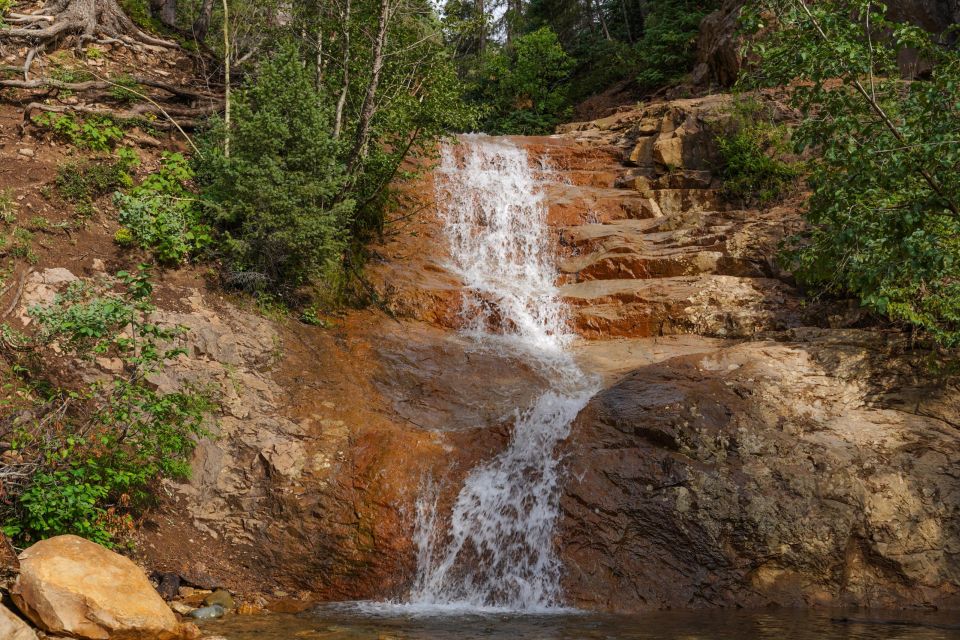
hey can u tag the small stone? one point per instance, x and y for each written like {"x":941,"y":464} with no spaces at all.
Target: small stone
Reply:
{"x":208,"y":613}
{"x":249,"y":609}
{"x":221,"y":597}
{"x":182,"y":608}
{"x":27,"y":153}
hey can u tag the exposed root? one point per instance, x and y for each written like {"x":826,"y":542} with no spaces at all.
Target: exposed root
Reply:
{"x":184,"y":93}
{"x":101,"y":21}
{"x":182,"y":117}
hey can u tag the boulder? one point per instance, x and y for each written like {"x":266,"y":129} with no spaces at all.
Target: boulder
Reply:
{"x":71,"y":586}
{"x":13,"y":628}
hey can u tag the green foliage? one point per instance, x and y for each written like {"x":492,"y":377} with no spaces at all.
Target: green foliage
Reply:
{"x":20,"y":245}
{"x":666,"y":50}
{"x":526,"y":85}
{"x":751,"y":146}
{"x":139,"y":12}
{"x":93,"y":133}
{"x":8,"y":207}
{"x":885,"y":211}
{"x":84,"y":181}
{"x":279,"y":196}
{"x":162,"y":213}
{"x":124,"y":88}
{"x":99,"y":449}
{"x":5,"y":7}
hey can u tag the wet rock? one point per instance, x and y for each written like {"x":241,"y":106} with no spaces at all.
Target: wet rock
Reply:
{"x":13,"y":628}
{"x":208,"y":613}
{"x":68,"y":585}
{"x":221,"y":597}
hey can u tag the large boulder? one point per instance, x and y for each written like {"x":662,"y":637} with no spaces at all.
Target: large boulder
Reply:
{"x":71,"y":586}
{"x":13,"y":628}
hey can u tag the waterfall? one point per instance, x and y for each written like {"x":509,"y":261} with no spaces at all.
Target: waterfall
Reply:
{"x":497,"y":549}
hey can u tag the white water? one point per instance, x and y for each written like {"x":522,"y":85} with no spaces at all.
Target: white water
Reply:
{"x":497,"y":549}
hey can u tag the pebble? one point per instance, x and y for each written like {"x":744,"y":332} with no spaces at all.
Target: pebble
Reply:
{"x":221,"y":597}
{"x":207,"y":613}
{"x":28,"y":153}
{"x":181,"y":607}
{"x":249,"y":609}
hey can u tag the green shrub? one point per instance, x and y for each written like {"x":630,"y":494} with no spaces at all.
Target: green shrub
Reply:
{"x":8,"y":206}
{"x":277,"y":200}
{"x":83,"y":182}
{"x":885,"y":211}
{"x":750,"y":147}
{"x":93,"y":133}
{"x":163,"y":215}
{"x":96,"y":450}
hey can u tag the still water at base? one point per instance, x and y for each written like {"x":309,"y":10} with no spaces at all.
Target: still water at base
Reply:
{"x":362,"y":621}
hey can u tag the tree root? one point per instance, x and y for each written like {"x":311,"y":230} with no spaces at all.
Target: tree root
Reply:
{"x":186,"y":117}
{"x":100,"y":21}
{"x":104,"y":85}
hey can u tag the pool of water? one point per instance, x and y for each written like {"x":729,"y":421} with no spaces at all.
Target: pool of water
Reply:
{"x":358,"y":621}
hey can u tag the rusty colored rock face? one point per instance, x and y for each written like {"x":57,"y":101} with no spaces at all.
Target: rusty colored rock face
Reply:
{"x":747,"y":447}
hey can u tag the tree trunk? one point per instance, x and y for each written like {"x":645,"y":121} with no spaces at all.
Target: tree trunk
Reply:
{"x":226,"y":77}
{"x":345,"y":84}
{"x":201,"y":26}
{"x":367,"y":111}
{"x":165,"y":10}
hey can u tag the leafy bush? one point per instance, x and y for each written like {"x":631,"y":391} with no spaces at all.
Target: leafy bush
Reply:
{"x":277,"y":199}
{"x":162,"y":214}
{"x":885,"y":211}
{"x":95,"y":450}
{"x":93,"y":133}
{"x":750,"y":147}
{"x":86,"y":180}
{"x":526,"y":85}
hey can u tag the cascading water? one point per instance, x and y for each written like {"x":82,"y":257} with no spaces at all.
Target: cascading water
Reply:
{"x":498,"y":550}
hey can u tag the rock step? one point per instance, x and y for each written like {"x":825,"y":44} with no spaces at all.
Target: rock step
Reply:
{"x":708,"y":305}
{"x":676,"y":261}
{"x":572,"y":205}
